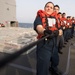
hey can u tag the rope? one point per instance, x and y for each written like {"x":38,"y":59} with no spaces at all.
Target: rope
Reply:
{"x":13,"y":56}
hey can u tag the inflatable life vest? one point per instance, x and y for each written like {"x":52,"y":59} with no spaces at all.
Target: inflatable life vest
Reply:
{"x":68,"y":24}
{"x":48,"y":21}
{"x":73,"y":21}
{"x":64,"y":21}
{"x":59,"y":21}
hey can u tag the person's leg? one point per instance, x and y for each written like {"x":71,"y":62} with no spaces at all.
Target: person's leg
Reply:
{"x":43,"y":58}
{"x":62,"y":40}
{"x":59,"y":44}
{"x":72,"y":30}
{"x":55,"y":60}
{"x":64,"y":35}
{"x":55,"y":56}
{"x":58,"y":40}
{"x":68,"y":34}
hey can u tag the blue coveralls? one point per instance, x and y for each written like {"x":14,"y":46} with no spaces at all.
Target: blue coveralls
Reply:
{"x":68,"y":33}
{"x":46,"y":50}
{"x":65,"y":34}
{"x":72,"y":30}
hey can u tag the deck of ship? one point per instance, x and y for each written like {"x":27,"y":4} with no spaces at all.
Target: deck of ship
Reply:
{"x":26,"y":63}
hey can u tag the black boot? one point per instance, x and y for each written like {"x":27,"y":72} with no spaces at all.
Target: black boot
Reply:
{"x":59,"y":51}
{"x":57,"y":72}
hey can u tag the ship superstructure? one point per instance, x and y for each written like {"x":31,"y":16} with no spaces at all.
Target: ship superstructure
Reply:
{"x":8,"y":12}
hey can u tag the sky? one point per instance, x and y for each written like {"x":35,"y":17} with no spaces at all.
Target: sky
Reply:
{"x":26,"y":9}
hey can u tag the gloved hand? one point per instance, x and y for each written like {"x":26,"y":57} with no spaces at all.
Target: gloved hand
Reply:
{"x":56,"y":32}
{"x":47,"y":32}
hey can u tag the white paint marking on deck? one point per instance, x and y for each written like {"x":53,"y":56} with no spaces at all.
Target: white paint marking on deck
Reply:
{"x":23,"y":67}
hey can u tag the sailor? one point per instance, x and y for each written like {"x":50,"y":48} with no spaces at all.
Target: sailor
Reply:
{"x":68,"y":27}
{"x":45,"y":24}
{"x":73,"y":24}
{"x":64,"y":21}
{"x":60,"y":39}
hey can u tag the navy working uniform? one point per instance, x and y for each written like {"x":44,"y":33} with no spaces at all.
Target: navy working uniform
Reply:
{"x":46,"y":50}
